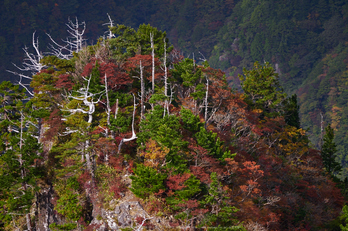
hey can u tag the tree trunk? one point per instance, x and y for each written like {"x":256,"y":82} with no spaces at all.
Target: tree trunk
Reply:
{"x":142,"y":96}
{"x":166,"y":104}
{"x":206,"y":106}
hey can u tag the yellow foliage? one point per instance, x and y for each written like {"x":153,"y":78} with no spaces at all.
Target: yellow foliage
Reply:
{"x":292,"y":142}
{"x":154,"y":153}
{"x":257,"y":110}
{"x":335,"y":117}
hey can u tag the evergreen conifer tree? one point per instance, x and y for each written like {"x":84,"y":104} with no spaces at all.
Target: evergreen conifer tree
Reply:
{"x":328,"y":152}
{"x":263,"y":90}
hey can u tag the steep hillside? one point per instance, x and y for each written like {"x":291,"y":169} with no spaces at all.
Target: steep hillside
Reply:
{"x":323,"y":97}
{"x":127,"y":134}
{"x":292,"y":35}
{"x":306,"y":42}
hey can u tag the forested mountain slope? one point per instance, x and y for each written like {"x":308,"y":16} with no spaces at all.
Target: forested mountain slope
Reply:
{"x":306,"y":41}
{"x":296,"y":37}
{"x":128,"y":134}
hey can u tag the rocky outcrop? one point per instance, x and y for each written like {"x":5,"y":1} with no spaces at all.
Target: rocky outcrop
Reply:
{"x":45,"y":210}
{"x":124,"y":215}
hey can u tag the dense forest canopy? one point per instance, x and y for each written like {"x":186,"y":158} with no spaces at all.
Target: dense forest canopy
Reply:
{"x":130,"y":122}
{"x":92,"y":125}
{"x":306,"y":41}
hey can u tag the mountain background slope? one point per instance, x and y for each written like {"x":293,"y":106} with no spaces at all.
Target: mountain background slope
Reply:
{"x":306,"y":41}
{"x":127,"y":133}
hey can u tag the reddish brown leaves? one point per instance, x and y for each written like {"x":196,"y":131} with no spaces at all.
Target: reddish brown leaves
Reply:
{"x":118,"y":187}
{"x":55,"y":125}
{"x":116,"y":74}
{"x":64,"y":81}
{"x":177,"y":182}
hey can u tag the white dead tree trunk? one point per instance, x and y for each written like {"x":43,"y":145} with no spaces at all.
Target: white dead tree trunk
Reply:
{"x":31,"y":64}
{"x":76,"y":35}
{"x":73,"y":43}
{"x":166,"y":104}
{"x":134,"y":136}
{"x":142,"y":90}
{"x":87,"y":98}
{"x":21,"y":162}
{"x":142,"y":223}
{"x":110,"y":24}
{"x":116,"y":109}
{"x":153,"y":62}
{"x":108,"y":110}
{"x":32,"y":60}
{"x":206,"y":104}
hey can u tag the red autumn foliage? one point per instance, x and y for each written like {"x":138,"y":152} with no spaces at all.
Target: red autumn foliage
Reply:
{"x":190,"y":204}
{"x":192,"y":207}
{"x":155,"y":205}
{"x":92,"y":227}
{"x":68,"y":162}
{"x":116,"y":162}
{"x":115,"y":73}
{"x":55,"y":124}
{"x":85,"y":180}
{"x":202,"y":164}
{"x":105,"y":148}
{"x":177,"y":182}
{"x":139,"y":220}
{"x":146,"y":224}
{"x":82,"y":222}
{"x":174,"y":223}
{"x":200,"y":173}
{"x":251,"y":170}
{"x":88,"y":69}
{"x":118,"y":187}
{"x":64,"y":81}
{"x":133,"y":63}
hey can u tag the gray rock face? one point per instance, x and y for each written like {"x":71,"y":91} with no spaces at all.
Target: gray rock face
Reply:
{"x":122,"y":216}
{"x":44,"y":207}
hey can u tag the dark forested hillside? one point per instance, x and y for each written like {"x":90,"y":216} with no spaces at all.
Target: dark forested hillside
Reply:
{"x":294,"y":36}
{"x":132,"y":127}
{"x":127,"y":134}
{"x":306,"y":41}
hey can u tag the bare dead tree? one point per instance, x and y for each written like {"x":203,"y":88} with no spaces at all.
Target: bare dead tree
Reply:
{"x":110,"y":24}
{"x":166,"y":104}
{"x":32,"y":60}
{"x":87,"y":98}
{"x":153,"y":62}
{"x":108,"y":108}
{"x":31,"y":65}
{"x":134,"y":136}
{"x":142,"y":90}
{"x":73,"y":43}
{"x":116,"y":109}
{"x":206,"y":104}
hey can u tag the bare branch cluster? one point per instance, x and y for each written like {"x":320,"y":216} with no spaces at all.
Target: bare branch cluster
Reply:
{"x":74,"y":43}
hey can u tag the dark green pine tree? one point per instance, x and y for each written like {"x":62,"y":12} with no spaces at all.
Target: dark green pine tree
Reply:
{"x":18,"y":157}
{"x":291,"y":112}
{"x":262,"y":88}
{"x":95,"y":85}
{"x":328,"y":151}
{"x":221,"y":212}
{"x":146,"y":181}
